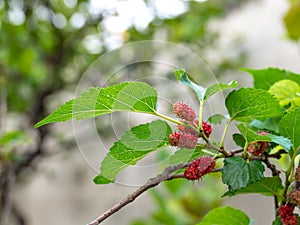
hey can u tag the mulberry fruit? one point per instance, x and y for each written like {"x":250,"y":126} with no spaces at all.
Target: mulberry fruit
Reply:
{"x":186,"y":129}
{"x":184,"y":111}
{"x":297,"y":174}
{"x":287,"y":216}
{"x":206,"y":129}
{"x":199,"y":168}
{"x":187,"y":140}
{"x":294,"y":197}
{"x":256,"y":148}
{"x":174,"y":138}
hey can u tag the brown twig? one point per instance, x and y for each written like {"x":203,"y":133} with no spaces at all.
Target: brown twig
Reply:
{"x":209,"y":145}
{"x":17,"y":215}
{"x":152,"y":182}
{"x":265,"y":159}
{"x":6,"y":197}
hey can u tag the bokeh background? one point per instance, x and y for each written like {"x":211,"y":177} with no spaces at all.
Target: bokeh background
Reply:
{"x":48,"y":48}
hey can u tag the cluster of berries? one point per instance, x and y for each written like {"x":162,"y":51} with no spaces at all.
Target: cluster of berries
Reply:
{"x":293,"y":197}
{"x":258,"y":147}
{"x":286,"y":213}
{"x":287,"y":216}
{"x":187,"y":135}
{"x":199,"y":168}
{"x":297,"y":174}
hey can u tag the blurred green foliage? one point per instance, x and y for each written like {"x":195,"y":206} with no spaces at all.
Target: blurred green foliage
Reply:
{"x":35,"y":51}
{"x":44,"y":54}
{"x":179,"y":202}
{"x":292,"y":20}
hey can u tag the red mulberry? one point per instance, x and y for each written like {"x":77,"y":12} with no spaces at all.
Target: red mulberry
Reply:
{"x":294,"y":197}
{"x":256,"y":148}
{"x":199,"y":168}
{"x":186,"y":129}
{"x":187,"y":141}
{"x":206,"y":129}
{"x":184,"y":111}
{"x":174,"y":138}
{"x":287,"y":216}
{"x":297,"y":174}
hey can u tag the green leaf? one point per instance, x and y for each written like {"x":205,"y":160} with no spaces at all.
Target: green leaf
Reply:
{"x":185,"y":155}
{"x":265,"y":78}
{"x":217,"y":118}
{"x":13,"y":137}
{"x":277,"y":221}
{"x":225,"y":216}
{"x":268,"y":124}
{"x":268,"y":186}
{"x":133,"y":146}
{"x":237,"y":173}
{"x":292,"y":19}
{"x":211,"y":90}
{"x":249,"y":103}
{"x":287,"y":92}
{"x":289,"y":126}
{"x":239,"y":140}
{"x":285,"y":143}
{"x":252,"y":136}
{"x":184,"y":78}
{"x":127,"y":96}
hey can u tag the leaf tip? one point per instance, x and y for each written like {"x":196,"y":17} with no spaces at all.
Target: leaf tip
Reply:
{"x":101,"y":180}
{"x":39,"y":124}
{"x":179,"y":72}
{"x":233,"y":83}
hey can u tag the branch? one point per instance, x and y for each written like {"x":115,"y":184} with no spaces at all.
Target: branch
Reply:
{"x":29,"y":158}
{"x":6,"y":195}
{"x":221,"y":149}
{"x":265,"y":159}
{"x":152,"y":182}
{"x":17,"y":215}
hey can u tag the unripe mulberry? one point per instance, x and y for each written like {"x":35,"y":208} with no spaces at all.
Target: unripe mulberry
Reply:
{"x":199,"y":168}
{"x":256,"y":148}
{"x":186,"y":129}
{"x":287,"y":216}
{"x":294,"y":197}
{"x":174,"y":138}
{"x":187,"y":140}
{"x":184,"y":111}
{"x":206,"y":129}
{"x":262,"y":132}
{"x":297,"y":174}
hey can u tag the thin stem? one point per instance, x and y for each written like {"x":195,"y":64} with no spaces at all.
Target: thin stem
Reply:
{"x":201,"y":114}
{"x":224,"y":133}
{"x":221,"y":150}
{"x":289,"y":175}
{"x":292,"y":166}
{"x":245,"y":149}
{"x":165,"y":175}
{"x":176,"y":121}
{"x":210,"y":153}
{"x":168,"y":118}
